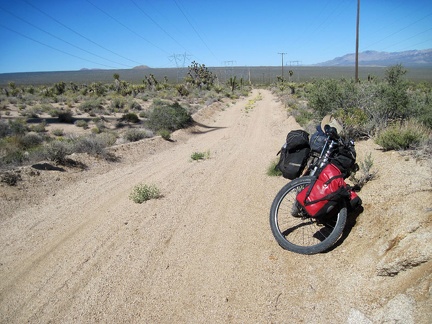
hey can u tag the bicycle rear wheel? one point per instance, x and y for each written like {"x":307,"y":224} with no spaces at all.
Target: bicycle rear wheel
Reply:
{"x":295,"y":231}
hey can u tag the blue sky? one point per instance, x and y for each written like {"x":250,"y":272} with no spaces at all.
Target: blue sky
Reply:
{"x":63,"y":35}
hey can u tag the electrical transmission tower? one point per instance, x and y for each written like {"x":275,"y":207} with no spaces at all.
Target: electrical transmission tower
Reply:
{"x":180,"y":61}
{"x":229,"y":68}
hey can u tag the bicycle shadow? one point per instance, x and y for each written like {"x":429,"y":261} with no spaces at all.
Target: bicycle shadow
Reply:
{"x":351,"y":221}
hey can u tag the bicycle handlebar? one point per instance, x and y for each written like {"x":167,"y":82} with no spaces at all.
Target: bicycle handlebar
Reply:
{"x":331,"y":132}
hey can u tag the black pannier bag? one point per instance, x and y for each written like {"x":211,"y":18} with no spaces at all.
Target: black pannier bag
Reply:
{"x":345,"y":158}
{"x":294,"y":154}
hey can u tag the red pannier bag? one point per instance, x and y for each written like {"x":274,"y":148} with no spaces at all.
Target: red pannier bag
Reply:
{"x":326,"y":192}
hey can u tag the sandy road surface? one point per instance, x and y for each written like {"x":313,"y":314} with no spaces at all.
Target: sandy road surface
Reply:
{"x":202,"y":253}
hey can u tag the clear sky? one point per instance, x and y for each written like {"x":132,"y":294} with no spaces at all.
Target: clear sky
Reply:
{"x":62,"y":35}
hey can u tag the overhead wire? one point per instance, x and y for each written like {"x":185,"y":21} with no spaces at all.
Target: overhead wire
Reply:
{"x":409,"y":39}
{"x":79,"y":34}
{"x":52,"y":47}
{"x":61,"y":39}
{"x":129,"y":29}
{"x":398,"y":31}
{"x":194,"y":29}
{"x":157,"y":24}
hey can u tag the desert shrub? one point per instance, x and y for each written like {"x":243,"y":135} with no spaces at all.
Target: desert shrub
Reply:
{"x":130,"y":118}
{"x":144,"y":192}
{"x":165,"y":134}
{"x":32,"y":112}
{"x":4,"y":128}
{"x":57,"y":132}
{"x":54,"y":112}
{"x":133,"y":134}
{"x":326,"y":96}
{"x":57,"y":151}
{"x":303,"y":117}
{"x":182,"y":90}
{"x":144,"y":114}
{"x":31,"y":140}
{"x":118,"y":103}
{"x":271,"y":171}
{"x":81,"y":123}
{"x":133,"y":105}
{"x":65,"y":117}
{"x":10,"y":178}
{"x":92,"y":144}
{"x":109,"y":138}
{"x":354,"y":121}
{"x":365,"y":173}
{"x":403,"y":136}
{"x":169,"y":116}
{"x":38,"y":128}
{"x":91,"y":105}
{"x":420,"y":106}
{"x":196,"y":156}
{"x":12,"y":154}
{"x":18,"y":127}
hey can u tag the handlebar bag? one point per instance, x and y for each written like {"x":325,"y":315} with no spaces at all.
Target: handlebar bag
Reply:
{"x":294,"y":154}
{"x":323,"y":194}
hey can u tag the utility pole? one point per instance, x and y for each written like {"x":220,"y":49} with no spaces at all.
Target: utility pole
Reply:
{"x":282,"y":63}
{"x":357,"y":41}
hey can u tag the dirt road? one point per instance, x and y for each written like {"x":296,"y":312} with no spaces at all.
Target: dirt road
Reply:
{"x":202,"y":253}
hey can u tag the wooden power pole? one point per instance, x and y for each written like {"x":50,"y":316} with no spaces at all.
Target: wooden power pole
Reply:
{"x":357,"y":41}
{"x":282,"y":64}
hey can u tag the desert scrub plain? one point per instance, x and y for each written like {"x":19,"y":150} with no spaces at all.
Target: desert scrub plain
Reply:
{"x":51,"y":122}
{"x":76,"y":247}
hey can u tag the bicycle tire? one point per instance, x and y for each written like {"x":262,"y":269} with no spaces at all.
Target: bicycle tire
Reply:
{"x":297,"y":232}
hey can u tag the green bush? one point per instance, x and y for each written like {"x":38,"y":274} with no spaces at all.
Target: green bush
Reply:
{"x":144,"y":192}
{"x":65,"y":117}
{"x":57,"y":132}
{"x":133,"y":134}
{"x":402,"y":137}
{"x":165,"y":134}
{"x":31,"y":140}
{"x":91,"y":105}
{"x":95,"y":145}
{"x":271,"y":171}
{"x":5,"y":129}
{"x":168,"y":116}
{"x":57,"y":151}
{"x":118,"y":103}
{"x":365,"y":173}
{"x":196,"y":156}
{"x":81,"y":123}
{"x":130,"y":118}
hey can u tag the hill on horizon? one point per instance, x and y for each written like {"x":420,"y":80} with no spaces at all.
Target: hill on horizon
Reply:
{"x":375,"y":58}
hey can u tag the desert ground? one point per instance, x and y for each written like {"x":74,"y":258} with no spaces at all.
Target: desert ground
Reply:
{"x":74,"y":248}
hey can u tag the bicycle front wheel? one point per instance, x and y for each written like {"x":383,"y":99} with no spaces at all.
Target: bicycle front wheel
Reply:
{"x":295,"y":231}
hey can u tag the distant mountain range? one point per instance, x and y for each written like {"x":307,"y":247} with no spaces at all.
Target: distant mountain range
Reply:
{"x":374,"y":58}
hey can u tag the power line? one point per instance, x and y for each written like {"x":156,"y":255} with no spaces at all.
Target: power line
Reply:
{"x":121,"y":24}
{"x":61,"y":39}
{"x":398,"y":31}
{"x":196,"y":32}
{"x":52,"y":47}
{"x":409,"y":38}
{"x":77,"y":33}
{"x":155,"y":22}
